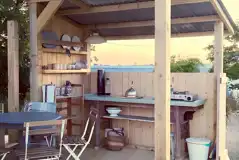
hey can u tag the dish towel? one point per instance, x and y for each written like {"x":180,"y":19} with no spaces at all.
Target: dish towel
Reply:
{"x":48,"y":93}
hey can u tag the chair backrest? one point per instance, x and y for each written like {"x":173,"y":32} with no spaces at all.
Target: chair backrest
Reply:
{"x":1,"y":108}
{"x":92,"y":118}
{"x":40,"y":107}
{"x":39,"y":129}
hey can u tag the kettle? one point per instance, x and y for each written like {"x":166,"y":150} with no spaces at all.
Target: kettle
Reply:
{"x":131,"y":92}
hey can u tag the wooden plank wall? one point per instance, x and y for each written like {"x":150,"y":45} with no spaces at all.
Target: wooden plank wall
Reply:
{"x":203,"y":84}
{"x":61,"y":26}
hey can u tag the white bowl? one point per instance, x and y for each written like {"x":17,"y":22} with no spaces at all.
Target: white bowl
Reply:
{"x":113,"y":111}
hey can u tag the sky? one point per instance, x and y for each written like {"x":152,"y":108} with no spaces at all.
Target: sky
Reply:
{"x":141,"y":52}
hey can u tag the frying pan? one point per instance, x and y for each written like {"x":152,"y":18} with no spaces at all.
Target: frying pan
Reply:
{"x":49,"y":36}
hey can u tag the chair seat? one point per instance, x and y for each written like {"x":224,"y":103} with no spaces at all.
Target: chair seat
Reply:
{"x":72,"y":140}
{"x":37,"y":153}
{"x":4,"y":151}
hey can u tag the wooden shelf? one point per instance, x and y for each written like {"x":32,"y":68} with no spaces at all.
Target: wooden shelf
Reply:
{"x":62,"y":51}
{"x":132,"y":118}
{"x":64,"y":71}
{"x":65,"y":43}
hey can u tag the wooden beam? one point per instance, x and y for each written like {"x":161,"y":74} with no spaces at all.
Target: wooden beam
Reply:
{"x":80,"y":4}
{"x":222,"y":15}
{"x":13,"y":71}
{"x":34,"y":80}
{"x":179,"y":35}
{"x":193,"y":34}
{"x":178,"y":2}
{"x":221,"y":94}
{"x":162,"y":79}
{"x":151,"y":22}
{"x":47,"y":14}
{"x":218,"y":47}
{"x":122,"y":7}
{"x":13,"y":66}
{"x":38,"y":1}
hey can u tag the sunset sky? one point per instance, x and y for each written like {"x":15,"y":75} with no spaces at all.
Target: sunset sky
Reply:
{"x":142,"y":51}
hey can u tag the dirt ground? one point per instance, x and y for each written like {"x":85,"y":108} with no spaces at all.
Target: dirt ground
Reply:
{"x":233,"y":136}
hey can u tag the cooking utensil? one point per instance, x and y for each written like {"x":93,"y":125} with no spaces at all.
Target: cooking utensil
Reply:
{"x":76,"y":39}
{"x":56,"y":66}
{"x":66,"y":38}
{"x":131,"y":92}
{"x":50,"y":66}
{"x":49,"y":36}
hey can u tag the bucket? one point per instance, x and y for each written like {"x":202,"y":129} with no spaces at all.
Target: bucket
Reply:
{"x":198,"y":148}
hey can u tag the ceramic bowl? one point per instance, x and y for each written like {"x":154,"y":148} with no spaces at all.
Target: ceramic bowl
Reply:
{"x":113,"y":111}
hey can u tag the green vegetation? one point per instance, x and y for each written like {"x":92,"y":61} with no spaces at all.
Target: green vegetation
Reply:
{"x":14,"y":10}
{"x":231,"y":65}
{"x":231,"y":55}
{"x":185,"y":65}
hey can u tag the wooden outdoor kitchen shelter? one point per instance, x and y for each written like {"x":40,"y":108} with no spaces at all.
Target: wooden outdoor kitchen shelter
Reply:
{"x":143,"y":19}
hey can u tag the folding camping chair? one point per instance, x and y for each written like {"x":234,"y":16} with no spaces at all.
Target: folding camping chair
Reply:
{"x":3,"y":154}
{"x":42,"y":152}
{"x":1,"y":108}
{"x":41,"y":107}
{"x":75,"y":142}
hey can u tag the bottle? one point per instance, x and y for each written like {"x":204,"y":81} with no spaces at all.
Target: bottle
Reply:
{"x":68,"y":88}
{"x":100,"y":82}
{"x":107,"y":87}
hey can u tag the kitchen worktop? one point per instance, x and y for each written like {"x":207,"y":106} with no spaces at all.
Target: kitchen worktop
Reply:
{"x":141,"y":100}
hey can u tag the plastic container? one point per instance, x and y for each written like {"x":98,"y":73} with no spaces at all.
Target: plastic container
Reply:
{"x":198,"y":148}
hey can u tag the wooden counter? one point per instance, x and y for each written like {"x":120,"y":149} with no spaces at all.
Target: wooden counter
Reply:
{"x":141,"y":100}
{"x":181,"y":113}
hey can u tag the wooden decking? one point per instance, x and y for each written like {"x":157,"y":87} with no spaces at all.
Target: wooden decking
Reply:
{"x":125,"y":154}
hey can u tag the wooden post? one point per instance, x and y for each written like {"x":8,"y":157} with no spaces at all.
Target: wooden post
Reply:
{"x":13,"y":72}
{"x":13,"y":66}
{"x":33,"y":53}
{"x":221,"y":91}
{"x":162,"y":79}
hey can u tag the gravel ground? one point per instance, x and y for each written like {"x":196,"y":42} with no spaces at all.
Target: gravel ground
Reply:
{"x":233,"y":136}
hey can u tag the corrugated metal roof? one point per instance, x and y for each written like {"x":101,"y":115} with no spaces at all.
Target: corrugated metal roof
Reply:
{"x":129,"y":31}
{"x":68,"y":5}
{"x":113,"y":17}
{"x":193,"y":10}
{"x":110,"y":2}
{"x":149,"y":30}
{"x":178,"y":11}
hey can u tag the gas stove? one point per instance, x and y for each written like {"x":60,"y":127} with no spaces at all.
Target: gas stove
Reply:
{"x":182,"y":96}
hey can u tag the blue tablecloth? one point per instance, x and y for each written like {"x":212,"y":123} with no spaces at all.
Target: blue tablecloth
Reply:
{"x":19,"y":118}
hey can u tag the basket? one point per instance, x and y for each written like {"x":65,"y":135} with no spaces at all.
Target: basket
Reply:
{"x":115,"y":140}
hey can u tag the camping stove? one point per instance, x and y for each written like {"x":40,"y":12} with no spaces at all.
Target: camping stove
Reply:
{"x":182,"y":96}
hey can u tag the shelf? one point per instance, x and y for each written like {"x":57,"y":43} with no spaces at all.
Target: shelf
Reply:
{"x":132,"y":118}
{"x":62,"y":51}
{"x":64,"y":71}
{"x":64,"y":43}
